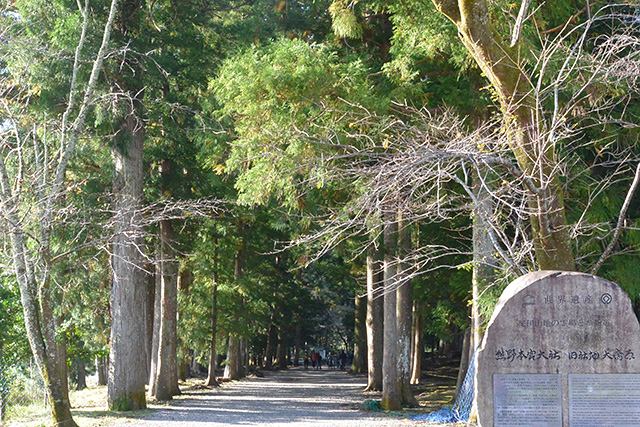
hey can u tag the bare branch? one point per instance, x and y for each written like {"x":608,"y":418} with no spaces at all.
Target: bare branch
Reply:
{"x":620,"y":223}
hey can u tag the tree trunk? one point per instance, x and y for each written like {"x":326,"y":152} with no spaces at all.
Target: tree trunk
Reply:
{"x":101,"y":369}
{"x":536,"y":158}
{"x":417,"y":344}
{"x":157,"y":321}
{"x":81,"y":371}
{"x":127,"y":366}
{"x":127,"y":370}
{"x":151,"y":318}
{"x":359,"y":364}
{"x":35,"y":293}
{"x":484,"y":262}
{"x":40,"y":325}
{"x":166,"y":382}
{"x":391,"y":398}
{"x":62,"y":354}
{"x":375,"y":318}
{"x":236,"y":354}
{"x":271,"y":342}
{"x":297,"y":352}
{"x":283,"y":355}
{"x":404,"y":308}
{"x":244,"y":353}
{"x":231,"y":370}
{"x":464,"y":361}
{"x":213,"y":354}
{"x":213,"y":362}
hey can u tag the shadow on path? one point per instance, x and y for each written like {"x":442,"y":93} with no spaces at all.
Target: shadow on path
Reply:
{"x":295,"y":397}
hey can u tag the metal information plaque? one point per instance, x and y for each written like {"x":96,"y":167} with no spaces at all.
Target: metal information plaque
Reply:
{"x":527,"y":400}
{"x":597,"y":400}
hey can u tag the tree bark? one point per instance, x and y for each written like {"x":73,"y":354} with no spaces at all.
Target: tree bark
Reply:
{"x":213,"y":356}
{"x":166,"y":381}
{"x":127,"y":367}
{"x":236,"y":354}
{"x":283,"y":354}
{"x":157,"y":321}
{"x":535,"y":157}
{"x":375,"y":318}
{"x":484,"y":262}
{"x":391,"y":398}
{"x":271,"y":341}
{"x":81,"y":372}
{"x":101,"y":369}
{"x":40,"y":325}
{"x":359,"y":364}
{"x":231,"y":370}
{"x":298,"y":343}
{"x":417,"y":344}
{"x":464,"y":361}
{"x":150,"y":306}
{"x":245,"y":356}
{"x":404,"y":308}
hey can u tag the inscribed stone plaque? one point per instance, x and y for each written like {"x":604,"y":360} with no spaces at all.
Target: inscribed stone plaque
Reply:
{"x":597,"y":400}
{"x":562,"y":323}
{"x":527,"y":400}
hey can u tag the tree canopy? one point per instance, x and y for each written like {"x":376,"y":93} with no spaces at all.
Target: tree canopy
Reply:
{"x":251,"y":159}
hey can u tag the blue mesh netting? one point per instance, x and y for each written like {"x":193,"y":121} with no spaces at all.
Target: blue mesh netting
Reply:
{"x":461,"y":409}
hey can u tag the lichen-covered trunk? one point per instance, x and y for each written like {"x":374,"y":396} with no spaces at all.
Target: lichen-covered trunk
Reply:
{"x":375,"y":318}
{"x":391,"y":398}
{"x":359,"y":364}
{"x":404,"y":308}
{"x":40,"y":325}
{"x":536,"y":157}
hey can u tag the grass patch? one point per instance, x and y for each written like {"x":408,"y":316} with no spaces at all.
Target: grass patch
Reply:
{"x":89,"y":408}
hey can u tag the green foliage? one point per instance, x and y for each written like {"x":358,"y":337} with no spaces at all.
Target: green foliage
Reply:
{"x":14,"y":346}
{"x":344,"y":20}
{"x":272,"y":93}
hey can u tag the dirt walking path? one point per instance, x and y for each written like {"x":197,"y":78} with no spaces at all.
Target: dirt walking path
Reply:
{"x":291,"y":398}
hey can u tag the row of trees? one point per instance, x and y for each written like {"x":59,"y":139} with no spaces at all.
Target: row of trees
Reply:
{"x":265,"y":167}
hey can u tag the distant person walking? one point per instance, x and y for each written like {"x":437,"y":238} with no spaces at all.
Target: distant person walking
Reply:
{"x":343,"y":360}
{"x":314,"y":360}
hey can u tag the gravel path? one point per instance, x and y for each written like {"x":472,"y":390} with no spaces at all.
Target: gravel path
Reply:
{"x":292,"y":398}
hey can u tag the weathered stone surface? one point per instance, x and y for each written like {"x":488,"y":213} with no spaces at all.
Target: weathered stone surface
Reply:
{"x":556,"y":323}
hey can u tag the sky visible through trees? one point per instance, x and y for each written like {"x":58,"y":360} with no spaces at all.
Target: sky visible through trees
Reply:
{"x":181,"y":179}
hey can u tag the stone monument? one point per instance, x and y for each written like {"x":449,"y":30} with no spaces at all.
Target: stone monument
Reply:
{"x":561,"y":349}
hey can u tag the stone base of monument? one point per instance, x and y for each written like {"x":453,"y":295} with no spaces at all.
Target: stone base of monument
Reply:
{"x":561,"y":349}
